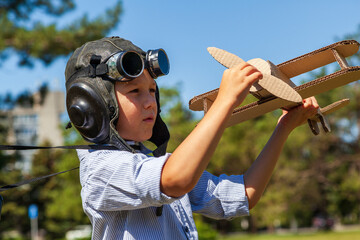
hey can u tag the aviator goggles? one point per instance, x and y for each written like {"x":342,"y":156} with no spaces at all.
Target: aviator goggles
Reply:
{"x":127,"y":65}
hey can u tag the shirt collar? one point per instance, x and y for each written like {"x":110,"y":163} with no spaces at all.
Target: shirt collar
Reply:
{"x":139,"y":147}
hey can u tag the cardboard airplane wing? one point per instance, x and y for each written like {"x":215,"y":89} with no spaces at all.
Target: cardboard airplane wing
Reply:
{"x":277,"y":96}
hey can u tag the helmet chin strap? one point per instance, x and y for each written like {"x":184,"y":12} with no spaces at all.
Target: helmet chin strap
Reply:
{"x":117,"y":141}
{"x":160,"y":136}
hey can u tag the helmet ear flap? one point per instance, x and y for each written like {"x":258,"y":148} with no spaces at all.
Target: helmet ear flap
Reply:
{"x":161,"y":135}
{"x":88,"y":112}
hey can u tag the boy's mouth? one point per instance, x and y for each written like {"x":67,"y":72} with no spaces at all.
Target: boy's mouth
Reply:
{"x":149,"y":119}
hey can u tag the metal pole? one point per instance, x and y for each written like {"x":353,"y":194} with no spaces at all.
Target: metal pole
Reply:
{"x":34,"y":228}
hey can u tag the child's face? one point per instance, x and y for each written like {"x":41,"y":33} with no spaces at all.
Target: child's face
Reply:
{"x":137,"y":107}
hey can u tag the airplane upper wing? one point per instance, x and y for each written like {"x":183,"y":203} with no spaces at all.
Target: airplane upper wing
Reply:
{"x":321,"y":57}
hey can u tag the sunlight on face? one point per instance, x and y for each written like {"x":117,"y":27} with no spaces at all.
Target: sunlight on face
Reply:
{"x":137,"y":107}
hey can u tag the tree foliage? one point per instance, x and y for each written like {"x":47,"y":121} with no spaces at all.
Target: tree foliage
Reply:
{"x":31,"y":38}
{"x":61,"y":194}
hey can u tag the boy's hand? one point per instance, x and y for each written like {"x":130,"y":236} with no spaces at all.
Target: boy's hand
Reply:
{"x":236,"y":82}
{"x":298,"y":115}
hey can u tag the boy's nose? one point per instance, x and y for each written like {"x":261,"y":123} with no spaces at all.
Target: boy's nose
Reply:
{"x":150,"y":101}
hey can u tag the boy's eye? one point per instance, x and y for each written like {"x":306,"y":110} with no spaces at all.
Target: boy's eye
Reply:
{"x":136,"y":90}
{"x":152,"y":90}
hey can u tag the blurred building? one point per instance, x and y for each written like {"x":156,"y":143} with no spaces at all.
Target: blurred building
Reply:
{"x":37,"y":123}
{"x":4,"y":125}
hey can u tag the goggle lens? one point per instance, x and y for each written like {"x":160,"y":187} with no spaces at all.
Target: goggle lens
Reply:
{"x":163,"y":62}
{"x":124,"y":66}
{"x":132,"y":64}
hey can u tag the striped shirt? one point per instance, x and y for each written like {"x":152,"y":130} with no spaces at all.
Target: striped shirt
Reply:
{"x":121,"y":191}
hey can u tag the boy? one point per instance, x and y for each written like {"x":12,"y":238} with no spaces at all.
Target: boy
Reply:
{"x":128,"y":194}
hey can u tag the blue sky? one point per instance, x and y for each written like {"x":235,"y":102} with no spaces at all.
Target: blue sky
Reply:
{"x":271,"y":30}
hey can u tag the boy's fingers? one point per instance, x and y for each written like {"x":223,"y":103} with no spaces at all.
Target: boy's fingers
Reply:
{"x":258,"y":75}
{"x":240,"y":66}
{"x":255,"y":77}
{"x":314,"y":102}
{"x":247,"y":67}
{"x":311,"y":101}
{"x":245,"y":70}
{"x":306,"y":102}
{"x":252,"y":72}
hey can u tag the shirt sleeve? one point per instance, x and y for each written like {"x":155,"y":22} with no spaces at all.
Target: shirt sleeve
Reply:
{"x":120,"y":180}
{"x":220,"y":197}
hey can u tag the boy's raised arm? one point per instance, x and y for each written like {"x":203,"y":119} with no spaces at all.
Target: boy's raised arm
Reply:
{"x":185,"y":166}
{"x":258,"y":175}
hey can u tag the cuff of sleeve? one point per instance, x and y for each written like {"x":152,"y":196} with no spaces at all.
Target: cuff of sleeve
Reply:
{"x":233,"y":196}
{"x":150,"y":188}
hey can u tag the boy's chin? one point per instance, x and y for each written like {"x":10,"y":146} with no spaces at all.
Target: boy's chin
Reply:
{"x":138,"y":139}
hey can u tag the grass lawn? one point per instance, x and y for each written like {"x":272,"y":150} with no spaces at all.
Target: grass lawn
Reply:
{"x":311,"y":236}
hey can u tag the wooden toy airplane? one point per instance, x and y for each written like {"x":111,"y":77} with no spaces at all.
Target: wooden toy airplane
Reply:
{"x":276,"y":90}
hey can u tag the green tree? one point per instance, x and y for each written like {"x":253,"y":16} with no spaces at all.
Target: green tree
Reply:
{"x":15,"y":200}
{"x":63,"y":209}
{"x":58,"y":198}
{"x":9,"y":173}
{"x":33,"y":39}
{"x":43,"y":163}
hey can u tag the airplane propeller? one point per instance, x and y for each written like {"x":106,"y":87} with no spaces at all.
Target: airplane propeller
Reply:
{"x":272,"y":84}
